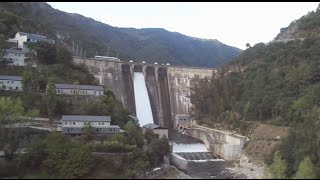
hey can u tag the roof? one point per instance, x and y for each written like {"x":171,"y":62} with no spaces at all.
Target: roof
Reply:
{"x":16,"y":78}
{"x":35,"y":36}
{"x":13,"y":51}
{"x":152,"y":126}
{"x":32,"y":35}
{"x":83,"y":118}
{"x":72,"y":86}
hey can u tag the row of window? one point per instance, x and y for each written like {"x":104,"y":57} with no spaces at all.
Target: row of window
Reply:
{"x":69,"y":130}
{"x":74,"y":91}
{"x":85,"y":123}
{"x":15,"y":54}
{"x":8,"y":82}
{"x":10,"y":88}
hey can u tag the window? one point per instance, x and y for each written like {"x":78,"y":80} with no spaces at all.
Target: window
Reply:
{"x":74,"y":123}
{"x":99,"y":123}
{"x":15,"y":54}
{"x":66,"y":123}
{"x":8,"y":82}
{"x":102,"y":123}
{"x":84,"y":123}
{"x":70,"y":130}
{"x":11,"y":82}
{"x":17,"y":88}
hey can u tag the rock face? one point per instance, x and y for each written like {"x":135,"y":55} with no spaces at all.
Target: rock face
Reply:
{"x":305,"y":27}
{"x":288,"y":32}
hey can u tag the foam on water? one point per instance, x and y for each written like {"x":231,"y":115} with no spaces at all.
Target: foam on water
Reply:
{"x":141,"y":96}
{"x":196,"y":147}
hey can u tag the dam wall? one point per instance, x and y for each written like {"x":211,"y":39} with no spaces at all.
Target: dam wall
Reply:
{"x":168,"y":86}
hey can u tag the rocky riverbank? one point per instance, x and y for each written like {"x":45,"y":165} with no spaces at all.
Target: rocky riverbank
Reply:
{"x":245,"y":167}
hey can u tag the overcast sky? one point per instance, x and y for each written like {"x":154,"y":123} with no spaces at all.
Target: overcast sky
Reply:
{"x":232,"y":23}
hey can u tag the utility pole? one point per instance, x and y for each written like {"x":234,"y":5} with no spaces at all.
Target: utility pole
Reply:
{"x":77,"y":50}
{"x":81,"y":51}
{"x":96,"y":53}
{"x":73,"y":47}
{"x":108,"y":51}
{"x":85,"y":52}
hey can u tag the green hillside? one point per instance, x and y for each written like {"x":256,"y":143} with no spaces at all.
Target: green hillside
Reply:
{"x":276,"y":83}
{"x":150,"y":44}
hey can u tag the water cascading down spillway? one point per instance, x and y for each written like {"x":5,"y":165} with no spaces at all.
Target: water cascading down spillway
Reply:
{"x":142,"y":101}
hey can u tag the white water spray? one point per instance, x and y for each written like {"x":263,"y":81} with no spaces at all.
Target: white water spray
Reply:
{"x":196,"y":147}
{"x":141,"y":96}
{"x":99,"y":75}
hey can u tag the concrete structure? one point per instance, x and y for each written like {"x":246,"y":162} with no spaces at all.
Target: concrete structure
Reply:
{"x":156,"y":130}
{"x":79,"y":89}
{"x":22,"y":37}
{"x":182,"y":121}
{"x":75,"y":124}
{"x":14,"y":57}
{"x":169,"y":87}
{"x":225,"y":144}
{"x":11,"y":82}
{"x":107,"y":58}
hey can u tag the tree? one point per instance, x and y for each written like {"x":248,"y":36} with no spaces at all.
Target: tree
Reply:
{"x":12,"y":111}
{"x":278,"y":167}
{"x":51,"y":100}
{"x":46,"y":53}
{"x":248,"y":45}
{"x":306,"y":170}
{"x":77,"y":163}
{"x":149,"y":135}
{"x":134,"y":133}
{"x":88,"y":132}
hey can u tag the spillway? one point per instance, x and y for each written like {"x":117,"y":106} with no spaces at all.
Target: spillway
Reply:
{"x":142,"y":102}
{"x":195,"y":147}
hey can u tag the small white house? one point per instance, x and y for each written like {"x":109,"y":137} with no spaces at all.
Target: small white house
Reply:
{"x":22,"y":37}
{"x":14,"y":57}
{"x":11,"y":82}
{"x":75,"y":124}
{"x":79,"y":89}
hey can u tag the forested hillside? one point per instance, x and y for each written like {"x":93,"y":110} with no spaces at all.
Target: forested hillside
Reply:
{"x":276,"y":83}
{"x":150,"y":44}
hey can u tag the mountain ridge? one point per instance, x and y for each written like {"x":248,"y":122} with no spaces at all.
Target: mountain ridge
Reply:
{"x":146,"y":44}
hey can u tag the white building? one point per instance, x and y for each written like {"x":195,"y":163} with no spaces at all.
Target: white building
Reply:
{"x":75,"y":124}
{"x":11,"y":82}
{"x":22,"y":37}
{"x":14,"y":57}
{"x":79,"y":89}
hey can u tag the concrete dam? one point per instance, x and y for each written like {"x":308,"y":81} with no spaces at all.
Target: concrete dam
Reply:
{"x":168,"y":87}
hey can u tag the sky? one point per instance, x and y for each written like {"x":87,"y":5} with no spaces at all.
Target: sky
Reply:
{"x":231,"y":23}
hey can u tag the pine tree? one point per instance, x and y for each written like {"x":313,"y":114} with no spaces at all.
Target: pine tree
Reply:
{"x":278,"y":167}
{"x":306,"y":170}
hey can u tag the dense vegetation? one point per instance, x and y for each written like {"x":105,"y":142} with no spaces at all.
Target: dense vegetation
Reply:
{"x":150,"y":45}
{"x":278,"y":83}
{"x":58,"y":156}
